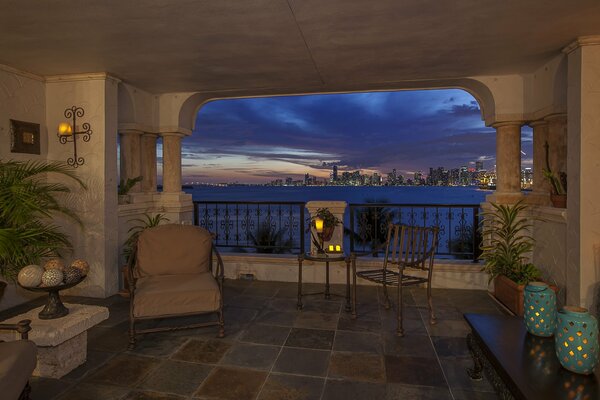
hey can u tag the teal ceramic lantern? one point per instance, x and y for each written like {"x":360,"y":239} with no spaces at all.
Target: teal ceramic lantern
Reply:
{"x":576,"y":340}
{"x":539,"y":309}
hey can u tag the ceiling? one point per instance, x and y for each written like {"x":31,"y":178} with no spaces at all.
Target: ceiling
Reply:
{"x":231,"y":45}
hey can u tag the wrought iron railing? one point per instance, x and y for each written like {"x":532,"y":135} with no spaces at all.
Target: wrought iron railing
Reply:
{"x":458,"y":226}
{"x":258,"y":226}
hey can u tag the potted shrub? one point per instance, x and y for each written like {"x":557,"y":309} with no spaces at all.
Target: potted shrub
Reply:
{"x":558,"y":183}
{"x":505,"y":247}
{"x":328,"y":221}
{"x":125,"y":187}
{"x":27,"y":204}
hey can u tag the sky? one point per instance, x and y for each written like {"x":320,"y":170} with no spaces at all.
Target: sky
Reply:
{"x":257,"y":140}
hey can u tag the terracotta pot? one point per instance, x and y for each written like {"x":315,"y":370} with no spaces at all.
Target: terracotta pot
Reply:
{"x":559,"y":200}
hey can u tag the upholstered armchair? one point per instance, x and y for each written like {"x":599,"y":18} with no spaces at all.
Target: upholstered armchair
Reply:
{"x":17,"y":361}
{"x":172,"y":275}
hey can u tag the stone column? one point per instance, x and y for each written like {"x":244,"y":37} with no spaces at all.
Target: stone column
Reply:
{"x":130,"y":152}
{"x":508,"y":162}
{"x":171,"y":162}
{"x":541,"y":187}
{"x":148,"y":170}
{"x":557,"y":142}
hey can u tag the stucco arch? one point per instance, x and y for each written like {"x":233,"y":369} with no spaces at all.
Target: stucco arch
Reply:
{"x":479,"y":90}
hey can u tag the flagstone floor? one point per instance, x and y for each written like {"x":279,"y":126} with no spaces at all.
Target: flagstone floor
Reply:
{"x":274,"y":352}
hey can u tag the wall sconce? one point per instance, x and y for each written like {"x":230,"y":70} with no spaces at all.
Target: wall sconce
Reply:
{"x":68,"y":133}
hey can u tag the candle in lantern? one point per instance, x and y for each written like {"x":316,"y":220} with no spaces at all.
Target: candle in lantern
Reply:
{"x":330,"y":247}
{"x":319,"y":225}
{"x":65,"y":129}
{"x":338,"y":247}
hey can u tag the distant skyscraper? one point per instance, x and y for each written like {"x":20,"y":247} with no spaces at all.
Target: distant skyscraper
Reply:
{"x":478,"y":165}
{"x":334,"y":173}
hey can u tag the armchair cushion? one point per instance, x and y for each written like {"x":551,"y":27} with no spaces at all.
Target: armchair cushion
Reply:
{"x":165,"y":295}
{"x":172,"y":250}
{"x":17,"y":362}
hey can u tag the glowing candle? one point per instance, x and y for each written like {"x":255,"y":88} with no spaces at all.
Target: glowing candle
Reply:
{"x":338,"y":247}
{"x":65,"y":129}
{"x":319,"y":225}
{"x":330,"y":247}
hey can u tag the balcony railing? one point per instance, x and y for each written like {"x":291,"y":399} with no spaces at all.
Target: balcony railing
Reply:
{"x":458,"y":226}
{"x":282,"y":227}
{"x":259,"y":226}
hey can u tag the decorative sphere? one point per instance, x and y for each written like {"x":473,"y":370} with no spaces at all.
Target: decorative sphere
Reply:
{"x":52,"y":277}
{"x":30,"y":276}
{"x":72,"y":274}
{"x":82,"y":266}
{"x":55,"y":263}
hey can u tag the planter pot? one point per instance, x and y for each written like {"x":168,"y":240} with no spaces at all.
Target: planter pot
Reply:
{"x":328,"y":233}
{"x":124,"y":199}
{"x":510,"y":294}
{"x":559,"y":200}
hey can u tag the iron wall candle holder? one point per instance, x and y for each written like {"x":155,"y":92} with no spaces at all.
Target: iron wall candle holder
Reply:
{"x":68,"y":133}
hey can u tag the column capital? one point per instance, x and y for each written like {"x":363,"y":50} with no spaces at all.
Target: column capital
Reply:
{"x":149,"y":134}
{"x":559,"y":117}
{"x":171,"y":134}
{"x":592,"y":40}
{"x":507,"y":123}
{"x":536,"y":123}
{"x":130,"y":132}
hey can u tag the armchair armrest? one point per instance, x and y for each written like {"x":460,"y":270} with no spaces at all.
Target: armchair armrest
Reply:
{"x":130,"y":266}
{"x":22,"y":327}
{"x":220,"y":271}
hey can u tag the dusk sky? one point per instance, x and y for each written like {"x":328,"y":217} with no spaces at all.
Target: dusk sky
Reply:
{"x":261,"y":139}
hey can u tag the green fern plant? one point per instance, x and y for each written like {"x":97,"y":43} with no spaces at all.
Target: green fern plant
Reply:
{"x":125,"y":187}
{"x":28,"y":203}
{"x":507,"y":242}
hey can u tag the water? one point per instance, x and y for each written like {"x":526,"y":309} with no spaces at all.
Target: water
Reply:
{"x":350,"y":194}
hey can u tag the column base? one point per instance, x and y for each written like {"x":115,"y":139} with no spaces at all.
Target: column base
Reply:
{"x":178,"y":207}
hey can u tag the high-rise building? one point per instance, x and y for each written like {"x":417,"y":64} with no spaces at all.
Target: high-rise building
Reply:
{"x":334,"y":173}
{"x":478,"y":165}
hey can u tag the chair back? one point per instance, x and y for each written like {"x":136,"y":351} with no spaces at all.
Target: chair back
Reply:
{"x":173,"y":249}
{"x":410,"y":246}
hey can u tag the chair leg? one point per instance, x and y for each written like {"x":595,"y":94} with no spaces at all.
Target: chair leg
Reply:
{"x":387,"y":304}
{"x":432,"y":319}
{"x":400,"y":329}
{"x":131,"y":345}
{"x":354,"y":289}
{"x":221,"y":325}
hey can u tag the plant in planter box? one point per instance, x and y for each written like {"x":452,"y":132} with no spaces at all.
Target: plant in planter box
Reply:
{"x":125,"y":187}
{"x":28,"y":202}
{"x":558,"y":183}
{"x":505,"y":248}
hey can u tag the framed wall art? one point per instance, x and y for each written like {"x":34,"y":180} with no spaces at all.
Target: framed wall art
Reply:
{"x":25,"y":137}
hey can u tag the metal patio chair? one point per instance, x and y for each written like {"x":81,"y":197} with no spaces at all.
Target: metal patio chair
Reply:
{"x":408,"y":249}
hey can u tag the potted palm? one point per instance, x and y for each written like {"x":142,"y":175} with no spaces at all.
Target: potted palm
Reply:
{"x":27,"y":204}
{"x":505,"y":249}
{"x":125,"y":187}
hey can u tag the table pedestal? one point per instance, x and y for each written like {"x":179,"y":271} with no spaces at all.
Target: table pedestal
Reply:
{"x":324,"y":259}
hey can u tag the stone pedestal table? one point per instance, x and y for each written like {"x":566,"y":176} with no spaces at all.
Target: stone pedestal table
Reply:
{"x":61,"y":342}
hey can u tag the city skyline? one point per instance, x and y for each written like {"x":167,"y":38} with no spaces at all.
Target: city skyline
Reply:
{"x":261,"y":139}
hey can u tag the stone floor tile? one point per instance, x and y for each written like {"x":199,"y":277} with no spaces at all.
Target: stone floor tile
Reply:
{"x":410,"y":326}
{"x":176,"y":377}
{"x":233,"y":315}
{"x":310,"y":338}
{"x":157,"y":345}
{"x":47,"y":388}
{"x":454,"y":369}
{"x":412,"y":392}
{"x":357,"y":367}
{"x":448,"y":328}
{"x":259,"y":289}
{"x":292,"y":387}
{"x":442,"y":312}
{"x":468,"y":395}
{"x":114,"y":340}
{"x":315,"y":320}
{"x":256,"y":356}
{"x":302,"y":361}
{"x":141,"y":395}
{"x":124,"y":370}
{"x":253,"y":302}
{"x":350,"y":390}
{"x":95,"y":359}
{"x":90,"y":391}
{"x":414,"y":370}
{"x":358,"y":342}
{"x":408,"y":345}
{"x":450,"y":346}
{"x":323,"y":306}
{"x":265,"y":334}
{"x":285,"y":304}
{"x":279,"y":318}
{"x":232,"y":384}
{"x":362,"y":324}
{"x":202,"y":351}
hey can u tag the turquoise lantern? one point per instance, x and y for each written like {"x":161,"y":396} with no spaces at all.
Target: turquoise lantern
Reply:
{"x":540,"y":309}
{"x":576,"y":340}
